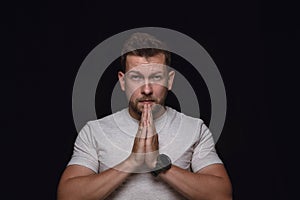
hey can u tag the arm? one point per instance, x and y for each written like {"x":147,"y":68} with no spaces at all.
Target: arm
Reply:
{"x":211,"y":182}
{"x":208,"y":181}
{"x":78,"y":182}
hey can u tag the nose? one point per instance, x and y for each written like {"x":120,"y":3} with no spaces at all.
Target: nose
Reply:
{"x":147,"y":89}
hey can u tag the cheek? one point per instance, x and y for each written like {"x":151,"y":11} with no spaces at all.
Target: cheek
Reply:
{"x":131,"y":92}
{"x":160,"y":91}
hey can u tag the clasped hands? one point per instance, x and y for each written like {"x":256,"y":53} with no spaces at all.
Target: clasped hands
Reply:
{"x":145,"y":147}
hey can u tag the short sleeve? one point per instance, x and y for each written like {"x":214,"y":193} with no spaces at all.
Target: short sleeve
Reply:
{"x":204,"y":152}
{"x":84,"y":152}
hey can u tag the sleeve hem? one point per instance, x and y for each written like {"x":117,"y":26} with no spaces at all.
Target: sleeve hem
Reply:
{"x":83,"y":162}
{"x":198,"y":168}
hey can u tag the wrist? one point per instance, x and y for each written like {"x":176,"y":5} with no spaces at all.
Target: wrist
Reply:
{"x":163,"y":164}
{"x":129,"y":166}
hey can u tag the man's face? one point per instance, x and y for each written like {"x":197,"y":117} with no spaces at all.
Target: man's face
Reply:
{"x":146,"y":81}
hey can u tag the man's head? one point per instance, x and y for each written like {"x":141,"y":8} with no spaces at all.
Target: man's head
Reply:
{"x":144,"y":45}
{"x":145,"y":77}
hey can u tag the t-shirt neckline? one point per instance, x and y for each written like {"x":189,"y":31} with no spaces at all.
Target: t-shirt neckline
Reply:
{"x":129,"y":125}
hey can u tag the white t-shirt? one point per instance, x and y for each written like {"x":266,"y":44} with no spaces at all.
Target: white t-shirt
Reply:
{"x":104,"y":143}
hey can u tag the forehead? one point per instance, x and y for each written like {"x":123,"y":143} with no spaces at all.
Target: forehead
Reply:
{"x":133,"y":61}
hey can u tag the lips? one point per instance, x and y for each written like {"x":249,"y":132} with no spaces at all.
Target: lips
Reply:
{"x":147,"y":101}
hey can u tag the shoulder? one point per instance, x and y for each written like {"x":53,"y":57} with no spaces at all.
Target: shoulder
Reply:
{"x":184,"y":117}
{"x":107,"y":121}
{"x":187,"y":122}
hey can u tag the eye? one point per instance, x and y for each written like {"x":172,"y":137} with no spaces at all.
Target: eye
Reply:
{"x":156,"y":78}
{"x":136,"y":77}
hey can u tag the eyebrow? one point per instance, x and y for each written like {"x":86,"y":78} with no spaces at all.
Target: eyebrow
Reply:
{"x":134,"y":72}
{"x":137,"y":72}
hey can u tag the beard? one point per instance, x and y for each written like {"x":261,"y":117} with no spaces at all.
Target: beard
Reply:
{"x":134,"y":107}
{"x":137,"y":107}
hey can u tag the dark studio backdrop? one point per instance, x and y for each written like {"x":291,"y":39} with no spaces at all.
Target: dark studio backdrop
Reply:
{"x":249,"y":42}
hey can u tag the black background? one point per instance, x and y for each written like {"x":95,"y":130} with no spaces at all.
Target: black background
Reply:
{"x":254,"y":44}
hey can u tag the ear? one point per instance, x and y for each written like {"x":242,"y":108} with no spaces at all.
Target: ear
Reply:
{"x":121,"y":76}
{"x":171,"y":79}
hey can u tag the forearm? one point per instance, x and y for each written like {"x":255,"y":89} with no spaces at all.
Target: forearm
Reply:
{"x":94,"y":186}
{"x":197,"y":186}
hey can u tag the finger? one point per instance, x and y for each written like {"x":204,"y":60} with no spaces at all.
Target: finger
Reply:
{"x":155,"y":141}
{"x":152,"y":130}
{"x":139,"y":141}
{"x":150,"y":116}
{"x":152,"y":144}
{"x":144,"y":131}
{"x":149,"y":130}
{"x":142,"y":118}
{"x":146,"y":112}
{"x":136,"y":146}
{"x":139,"y":131}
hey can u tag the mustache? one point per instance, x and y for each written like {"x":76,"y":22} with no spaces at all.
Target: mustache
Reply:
{"x":146,"y":99}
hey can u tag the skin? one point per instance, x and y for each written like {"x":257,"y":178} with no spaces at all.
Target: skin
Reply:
{"x":147,"y":86}
{"x":146,"y":102}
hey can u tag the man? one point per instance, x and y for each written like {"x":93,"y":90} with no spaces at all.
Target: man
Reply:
{"x":148,"y":150}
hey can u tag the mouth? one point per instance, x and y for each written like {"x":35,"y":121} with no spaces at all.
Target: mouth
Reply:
{"x":146,"y":101}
